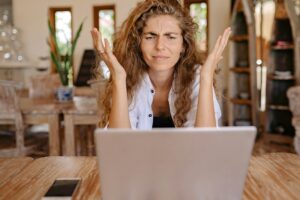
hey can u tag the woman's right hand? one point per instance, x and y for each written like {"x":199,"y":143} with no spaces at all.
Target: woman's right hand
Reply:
{"x":103,"y":49}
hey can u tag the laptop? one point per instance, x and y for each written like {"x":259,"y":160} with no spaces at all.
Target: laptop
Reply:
{"x":174,"y":163}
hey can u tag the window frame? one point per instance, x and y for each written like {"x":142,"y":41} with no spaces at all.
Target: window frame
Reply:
{"x":187,"y":4}
{"x":97,"y":9}
{"x":52,"y":11}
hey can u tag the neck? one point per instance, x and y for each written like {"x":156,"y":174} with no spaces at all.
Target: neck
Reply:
{"x":161,"y":80}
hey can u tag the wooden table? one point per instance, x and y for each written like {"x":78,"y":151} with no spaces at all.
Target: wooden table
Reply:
{"x":44,"y":111}
{"x":80,"y":111}
{"x":10,"y":167}
{"x":34,"y":181}
{"x":272,"y":176}
{"x":84,"y":111}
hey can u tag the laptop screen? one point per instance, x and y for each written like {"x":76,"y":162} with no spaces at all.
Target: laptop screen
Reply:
{"x":207,"y":163}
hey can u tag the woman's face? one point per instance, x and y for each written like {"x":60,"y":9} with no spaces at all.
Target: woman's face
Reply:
{"x":162,"y":42}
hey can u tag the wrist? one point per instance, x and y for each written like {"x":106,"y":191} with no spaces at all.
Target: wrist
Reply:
{"x":206,"y":79}
{"x":118,"y":80}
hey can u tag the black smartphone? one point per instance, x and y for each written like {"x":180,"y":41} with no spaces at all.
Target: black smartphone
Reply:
{"x":62,"y":187}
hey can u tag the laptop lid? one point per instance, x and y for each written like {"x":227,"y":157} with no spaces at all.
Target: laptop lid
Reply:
{"x":168,"y":164}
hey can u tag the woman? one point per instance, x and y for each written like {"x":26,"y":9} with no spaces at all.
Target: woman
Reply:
{"x":155,"y":70}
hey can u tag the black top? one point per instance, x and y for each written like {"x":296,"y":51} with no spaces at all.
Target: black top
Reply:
{"x":163,"y":122}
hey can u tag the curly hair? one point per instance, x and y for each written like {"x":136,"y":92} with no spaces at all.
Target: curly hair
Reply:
{"x":128,"y":52}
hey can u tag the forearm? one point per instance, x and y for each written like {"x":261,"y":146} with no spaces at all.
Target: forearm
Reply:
{"x":205,"y":116}
{"x":119,"y":115}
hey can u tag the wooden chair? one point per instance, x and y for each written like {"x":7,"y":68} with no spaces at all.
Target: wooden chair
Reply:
{"x":41,"y":87}
{"x":293,"y":94}
{"x":10,"y":114}
{"x":86,"y":112}
{"x":44,"y":86}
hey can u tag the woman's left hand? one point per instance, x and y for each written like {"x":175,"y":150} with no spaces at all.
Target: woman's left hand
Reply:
{"x":215,"y":56}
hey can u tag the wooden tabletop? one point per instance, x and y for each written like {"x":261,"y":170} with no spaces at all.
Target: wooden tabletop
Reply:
{"x":84,"y":105}
{"x":272,"y":176}
{"x":10,"y":167}
{"x":34,"y":180}
{"x":42,"y":106}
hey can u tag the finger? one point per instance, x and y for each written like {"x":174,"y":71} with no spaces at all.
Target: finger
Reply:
{"x":215,"y":49}
{"x":107,"y":46}
{"x":220,"y":58}
{"x":101,"y":46}
{"x":94,"y":33}
{"x":227,"y":34}
{"x":97,"y":36}
{"x":108,"y":51}
{"x":225,"y":38}
{"x":224,"y":41}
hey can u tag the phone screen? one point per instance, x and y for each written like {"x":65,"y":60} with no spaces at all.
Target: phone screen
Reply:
{"x":62,"y":188}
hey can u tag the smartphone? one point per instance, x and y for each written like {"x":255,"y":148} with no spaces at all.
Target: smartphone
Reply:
{"x":62,"y":188}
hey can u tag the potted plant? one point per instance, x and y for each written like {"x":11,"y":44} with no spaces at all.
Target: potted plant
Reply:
{"x":63,"y":62}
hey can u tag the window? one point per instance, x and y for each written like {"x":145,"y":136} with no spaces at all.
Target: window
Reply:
{"x":61,"y":19}
{"x":199,"y":12}
{"x":104,"y":20}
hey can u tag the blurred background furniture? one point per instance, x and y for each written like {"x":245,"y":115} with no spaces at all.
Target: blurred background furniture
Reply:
{"x":44,"y":86}
{"x":84,"y":111}
{"x":280,"y":77}
{"x":44,"y":111}
{"x":21,"y":112}
{"x":242,"y":90}
{"x":85,"y":73}
{"x":294,"y":102}
{"x":10,"y":114}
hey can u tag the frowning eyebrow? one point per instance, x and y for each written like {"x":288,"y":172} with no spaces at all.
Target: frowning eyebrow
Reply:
{"x":155,"y":34}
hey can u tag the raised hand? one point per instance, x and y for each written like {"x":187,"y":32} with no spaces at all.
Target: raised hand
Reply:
{"x":105,"y":52}
{"x":215,"y":56}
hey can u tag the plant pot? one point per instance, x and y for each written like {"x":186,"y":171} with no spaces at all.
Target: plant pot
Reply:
{"x":64,"y":94}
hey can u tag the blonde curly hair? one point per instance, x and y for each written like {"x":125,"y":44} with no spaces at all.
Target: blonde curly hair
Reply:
{"x":128,"y":52}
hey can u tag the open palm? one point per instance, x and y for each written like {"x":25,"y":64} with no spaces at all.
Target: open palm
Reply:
{"x":106,"y":54}
{"x":215,"y":56}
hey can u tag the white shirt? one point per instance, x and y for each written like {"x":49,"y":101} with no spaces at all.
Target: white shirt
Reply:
{"x":140,"y":109}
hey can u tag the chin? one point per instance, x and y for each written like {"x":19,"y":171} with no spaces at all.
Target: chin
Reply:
{"x":161,"y":68}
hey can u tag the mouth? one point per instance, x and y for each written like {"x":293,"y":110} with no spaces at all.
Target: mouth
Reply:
{"x":160,"y":57}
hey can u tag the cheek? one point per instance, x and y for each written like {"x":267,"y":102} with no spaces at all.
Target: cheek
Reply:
{"x":144,"y":49}
{"x":177,"y":49}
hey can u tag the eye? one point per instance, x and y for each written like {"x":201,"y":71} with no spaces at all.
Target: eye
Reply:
{"x":171,"y":37}
{"x":149,"y":37}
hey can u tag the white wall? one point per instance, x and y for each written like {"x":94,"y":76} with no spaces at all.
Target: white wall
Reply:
{"x":219,"y":19}
{"x":30,"y":16}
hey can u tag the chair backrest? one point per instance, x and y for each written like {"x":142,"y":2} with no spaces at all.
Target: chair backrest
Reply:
{"x":10,"y":113}
{"x":88,"y":63}
{"x":293,"y":94}
{"x":98,"y":86}
{"x":44,"y":86}
{"x":9,"y":101}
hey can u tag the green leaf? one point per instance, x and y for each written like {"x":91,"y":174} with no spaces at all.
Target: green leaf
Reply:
{"x":63,"y":66}
{"x":74,"y":42}
{"x":53,"y":36}
{"x":59,"y":68}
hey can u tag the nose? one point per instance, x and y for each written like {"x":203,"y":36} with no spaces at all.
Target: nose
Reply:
{"x":160,"y":44}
